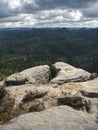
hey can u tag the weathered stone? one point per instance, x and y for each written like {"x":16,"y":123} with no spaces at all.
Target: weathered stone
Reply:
{"x":57,"y":118}
{"x":90,"y":94}
{"x":39,"y":74}
{"x":19,"y":93}
{"x":28,"y":93}
{"x":16,"y":79}
{"x":93,"y":75}
{"x":33,"y":94}
{"x":91,"y":85}
{"x":68,"y":73}
{"x":75,"y":102}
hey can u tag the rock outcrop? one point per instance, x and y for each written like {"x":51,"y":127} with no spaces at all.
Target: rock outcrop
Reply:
{"x":41,"y":74}
{"x":29,"y":94}
{"x":38,"y":74}
{"x":57,"y":118}
{"x":60,"y":97}
{"x":68,"y":73}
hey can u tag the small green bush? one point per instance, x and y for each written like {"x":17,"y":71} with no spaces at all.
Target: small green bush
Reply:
{"x":8,"y":110}
{"x":36,"y":108}
{"x":6,"y":107}
{"x":19,"y":110}
{"x":2,"y":93}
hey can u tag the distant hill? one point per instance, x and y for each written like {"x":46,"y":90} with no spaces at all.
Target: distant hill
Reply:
{"x":21,"y":48}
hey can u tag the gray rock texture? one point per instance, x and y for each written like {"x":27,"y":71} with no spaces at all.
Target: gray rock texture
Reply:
{"x":68,"y":73}
{"x":39,"y":74}
{"x":68,"y":102}
{"x":57,"y":118}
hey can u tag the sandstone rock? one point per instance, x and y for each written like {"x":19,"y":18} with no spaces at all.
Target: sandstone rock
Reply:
{"x":91,"y":85}
{"x":68,"y":73}
{"x":93,"y":75}
{"x":70,"y":100}
{"x":90,"y":94}
{"x":39,"y":74}
{"x":19,"y":92}
{"x":16,"y":79}
{"x":42,"y":74}
{"x":70,"y":88}
{"x":76,"y":102}
{"x":33,"y":94}
{"x":57,"y":118}
{"x":27,"y":89}
{"x":28,"y":93}
{"x":2,"y":84}
{"x":49,"y":95}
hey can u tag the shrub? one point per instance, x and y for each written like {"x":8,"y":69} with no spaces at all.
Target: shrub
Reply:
{"x":19,"y":110}
{"x":8,"y":110}
{"x":36,"y":108}
{"x":6,"y":107}
{"x":2,"y":93}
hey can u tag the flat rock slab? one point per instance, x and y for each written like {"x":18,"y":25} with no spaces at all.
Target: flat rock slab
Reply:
{"x":57,"y":118}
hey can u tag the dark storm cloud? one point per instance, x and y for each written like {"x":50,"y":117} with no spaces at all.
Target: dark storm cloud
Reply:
{"x":48,"y":12}
{"x":4,"y":9}
{"x":91,"y":11}
{"x":30,"y":6}
{"x":61,"y":3}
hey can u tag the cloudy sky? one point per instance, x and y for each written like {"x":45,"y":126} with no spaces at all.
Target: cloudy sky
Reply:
{"x":48,"y":13}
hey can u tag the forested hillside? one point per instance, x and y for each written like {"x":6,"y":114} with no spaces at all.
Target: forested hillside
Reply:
{"x":25,"y":47}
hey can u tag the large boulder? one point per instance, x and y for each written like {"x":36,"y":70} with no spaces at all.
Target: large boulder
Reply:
{"x":77,"y":111}
{"x":57,"y":118}
{"x":68,"y":73}
{"x":58,"y":73}
{"x":39,"y":74}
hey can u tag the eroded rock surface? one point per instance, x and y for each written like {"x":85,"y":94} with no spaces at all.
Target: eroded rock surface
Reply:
{"x":68,"y":73}
{"x":39,"y":74}
{"x":70,"y":98}
{"x":57,"y":118}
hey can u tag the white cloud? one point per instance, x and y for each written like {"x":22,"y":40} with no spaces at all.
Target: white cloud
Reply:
{"x":14,"y":3}
{"x":22,"y":20}
{"x":48,"y":13}
{"x":76,"y":15}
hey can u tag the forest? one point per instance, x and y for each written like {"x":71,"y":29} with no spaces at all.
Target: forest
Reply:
{"x":21,"y":48}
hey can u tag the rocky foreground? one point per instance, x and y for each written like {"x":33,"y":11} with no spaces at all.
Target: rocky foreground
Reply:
{"x":56,"y":97}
